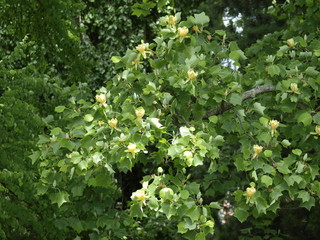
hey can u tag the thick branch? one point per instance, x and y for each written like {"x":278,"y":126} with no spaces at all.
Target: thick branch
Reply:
{"x":248,"y":94}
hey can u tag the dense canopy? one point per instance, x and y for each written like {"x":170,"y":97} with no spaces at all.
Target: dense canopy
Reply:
{"x":159,"y":119}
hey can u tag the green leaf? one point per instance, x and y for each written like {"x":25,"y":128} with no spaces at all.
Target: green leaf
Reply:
{"x":201,"y":19}
{"x":311,"y":71}
{"x":220,"y":32}
{"x":200,"y":236}
{"x":316,"y":118}
{"x":59,"y":198}
{"x":261,"y":205}
{"x":309,"y":204}
{"x":184,"y":194}
{"x":304,"y":195}
{"x":193,"y":213}
{"x":273,"y":70}
{"x":259,"y":108}
{"x":56,"y":131}
{"x":266,"y":180}
{"x":297,"y":152}
{"x":236,"y":55}
{"x":213,"y":119}
{"x":182,"y":227}
{"x":136,"y":210}
{"x":235,"y":99}
{"x":59,"y":109}
{"x":116,"y":59}
{"x":267,"y":153}
{"x":34,"y":156}
{"x":241,"y":214}
{"x":215,"y":205}
{"x":285,"y":143}
{"x":88,"y":118}
{"x":305,"y":118}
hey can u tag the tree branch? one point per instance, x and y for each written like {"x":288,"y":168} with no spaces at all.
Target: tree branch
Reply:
{"x":248,"y":94}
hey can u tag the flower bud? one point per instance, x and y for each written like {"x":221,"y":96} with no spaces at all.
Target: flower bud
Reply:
{"x":196,"y":28}
{"x":318,"y":129}
{"x":101,"y":98}
{"x":183,"y":31}
{"x":113,"y":122}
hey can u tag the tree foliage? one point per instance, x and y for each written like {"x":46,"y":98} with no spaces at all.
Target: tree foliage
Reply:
{"x":179,"y":144}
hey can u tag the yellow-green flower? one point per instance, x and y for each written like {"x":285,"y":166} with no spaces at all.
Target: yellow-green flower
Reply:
{"x":101,"y":98}
{"x":140,"y":112}
{"x":142,"y":47}
{"x":171,"y":20}
{"x":250,"y":191}
{"x":290,"y":42}
{"x":132,"y":148}
{"x":257,"y":149}
{"x":138,"y":195}
{"x":192,"y":74}
{"x":294,"y":87}
{"x":274,"y":124}
{"x":113,"y":122}
{"x":183,"y":31}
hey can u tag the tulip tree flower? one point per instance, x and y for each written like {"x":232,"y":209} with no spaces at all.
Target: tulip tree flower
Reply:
{"x":143,"y":49}
{"x":250,"y":191}
{"x":132,"y":148}
{"x":101,"y":98}
{"x":171,"y":20}
{"x":294,"y":88}
{"x":192,"y":74}
{"x":290,"y":42}
{"x":140,"y":112}
{"x":274,"y":124}
{"x":113,"y":122}
{"x":183,"y":31}
{"x":256,"y":149}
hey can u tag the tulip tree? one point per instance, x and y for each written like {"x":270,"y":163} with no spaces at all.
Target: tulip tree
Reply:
{"x":178,"y":110}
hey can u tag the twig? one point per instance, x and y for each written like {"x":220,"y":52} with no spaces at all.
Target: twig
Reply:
{"x":248,"y":94}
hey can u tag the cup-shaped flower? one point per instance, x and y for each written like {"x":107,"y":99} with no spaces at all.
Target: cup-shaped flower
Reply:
{"x":250,"y":191}
{"x":290,"y":42}
{"x":294,"y":87}
{"x":138,"y":195}
{"x":142,"y":47}
{"x":171,"y":20}
{"x":183,"y":31}
{"x":101,"y":98}
{"x":274,"y":124}
{"x":192,"y":74}
{"x":113,"y":122}
{"x":132,"y":148}
{"x":257,"y":149}
{"x":140,"y":112}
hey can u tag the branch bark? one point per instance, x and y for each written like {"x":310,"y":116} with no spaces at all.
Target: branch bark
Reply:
{"x":248,"y":94}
